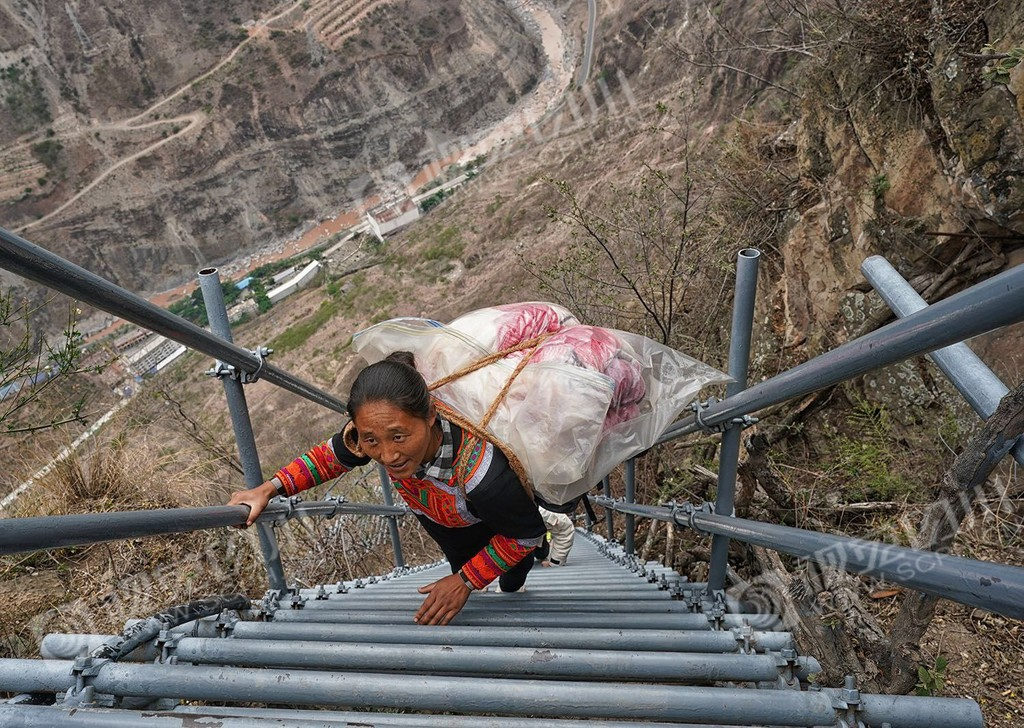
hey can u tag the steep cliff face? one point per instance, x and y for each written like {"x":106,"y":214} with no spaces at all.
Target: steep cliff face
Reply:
{"x":300,"y":116}
{"x":841,"y":135}
{"x":914,"y":154}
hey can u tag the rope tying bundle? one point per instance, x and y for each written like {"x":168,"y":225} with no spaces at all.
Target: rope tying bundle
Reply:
{"x":480,"y":428}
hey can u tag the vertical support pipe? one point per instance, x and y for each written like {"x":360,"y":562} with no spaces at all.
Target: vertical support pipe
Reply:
{"x":628,"y":544}
{"x":213,"y":298}
{"x":739,"y":359}
{"x":976,"y":382}
{"x":396,"y":539}
{"x":608,"y":512}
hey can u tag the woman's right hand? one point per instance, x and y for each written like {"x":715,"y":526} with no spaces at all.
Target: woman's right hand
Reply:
{"x":256,"y":498}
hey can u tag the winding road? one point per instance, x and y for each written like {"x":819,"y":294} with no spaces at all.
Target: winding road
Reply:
{"x":192,"y":120}
{"x":540,"y":100}
{"x":588,"y":44}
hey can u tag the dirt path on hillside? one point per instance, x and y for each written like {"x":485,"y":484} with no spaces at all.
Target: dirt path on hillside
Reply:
{"x":193,"y":121}
{"x":133,"y":123}
{"x":546,"y":95}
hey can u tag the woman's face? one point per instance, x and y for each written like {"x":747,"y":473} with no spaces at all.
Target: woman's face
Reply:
{"x":393,"y":437}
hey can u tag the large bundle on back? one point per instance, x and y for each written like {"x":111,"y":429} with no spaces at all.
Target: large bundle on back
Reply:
{"x":571,"y":401}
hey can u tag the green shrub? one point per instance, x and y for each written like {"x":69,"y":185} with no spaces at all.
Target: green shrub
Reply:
{"x":446,"y":246}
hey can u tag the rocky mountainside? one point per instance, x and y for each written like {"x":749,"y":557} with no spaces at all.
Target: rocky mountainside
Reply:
{"x":820,"y":139}
{"x":819,"y":132}
{"x":200,"y":130}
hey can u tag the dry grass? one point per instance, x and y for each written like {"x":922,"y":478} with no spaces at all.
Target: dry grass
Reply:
{"x":149,"y":463}
{"x":96,"y":588}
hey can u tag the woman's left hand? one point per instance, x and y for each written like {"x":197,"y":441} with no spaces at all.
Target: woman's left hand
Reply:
{"x":445,"y":598}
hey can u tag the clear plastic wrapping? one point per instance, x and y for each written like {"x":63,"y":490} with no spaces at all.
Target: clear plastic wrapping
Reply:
{"x":587,"y":399}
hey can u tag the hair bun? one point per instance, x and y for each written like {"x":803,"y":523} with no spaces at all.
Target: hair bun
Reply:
{"x":402,"y":357}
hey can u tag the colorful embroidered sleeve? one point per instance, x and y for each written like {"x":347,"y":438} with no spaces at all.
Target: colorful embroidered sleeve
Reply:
{"x":315,"y":467}
{"x":500,"y":555}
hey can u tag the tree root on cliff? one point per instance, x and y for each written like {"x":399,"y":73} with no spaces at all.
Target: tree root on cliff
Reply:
{"x":823,"y":606}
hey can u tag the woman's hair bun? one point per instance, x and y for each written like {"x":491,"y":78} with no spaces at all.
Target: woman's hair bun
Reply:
{"x":402,"y":357}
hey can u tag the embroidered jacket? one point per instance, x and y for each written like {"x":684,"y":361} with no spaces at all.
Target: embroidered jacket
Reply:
{"x":477,"y":486}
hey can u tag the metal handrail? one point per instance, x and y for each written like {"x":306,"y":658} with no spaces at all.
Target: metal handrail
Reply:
{"x":37,"y":264}
{"x":23,"y":535}
{"x":994,"y":587}
{"x":965,"y":370}
{"x":984,"y":307}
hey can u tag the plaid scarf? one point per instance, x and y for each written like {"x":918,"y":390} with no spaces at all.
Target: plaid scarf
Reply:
{"x":442,"y":467}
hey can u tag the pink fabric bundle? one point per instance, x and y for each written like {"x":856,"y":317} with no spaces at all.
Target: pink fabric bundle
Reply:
{"x":521,"y":322}
{"x":589,"y":347}
{"x":587,"y":399}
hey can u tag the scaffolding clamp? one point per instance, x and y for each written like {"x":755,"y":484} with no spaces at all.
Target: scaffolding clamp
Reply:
{"x":340,"y":588}
{"x":261,"y":353}
{"x":337,"y":500}
{"x":714,"y":607}
{"x":693,"y":600}
{"x":271,"y":602}
{"x":293,"y":501}
{"x":167,"y":642}
{"x":847,"y":703}
{"x":226,"y":622}
{"x":84,"y":669}
{"x":298,"y":601}
{"x":788,"y":663}
{"x":683,"y":513}
{"x":221,"y":369}
{"x":698,"y":408}
{"x":744,"y":634}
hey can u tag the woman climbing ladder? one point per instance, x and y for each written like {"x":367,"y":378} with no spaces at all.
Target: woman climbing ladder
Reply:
{"x":460,"y":486}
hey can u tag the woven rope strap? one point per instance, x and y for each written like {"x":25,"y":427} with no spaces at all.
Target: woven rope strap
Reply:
{"x":490,"y":359}
{"x":480,"y":429}
{"x":513,"y":461}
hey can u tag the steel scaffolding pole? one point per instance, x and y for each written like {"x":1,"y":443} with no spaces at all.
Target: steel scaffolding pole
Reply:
{"x":994,"y":587}
{"x":729,"y":451}
{"x":396,"y":539}
{"x":54,"y":716}
{"x":644,"y":601}
{"x":30,"y":261}
{"x":69,"y":646}
{"x":606,"y":485}
{"x":621,"y":595}
{"x":969,"y":374}
{"x":563,"y":619}
{"x":628,"y":541}
{"x":22,"y":535}
{"x":216,"y":312}
{"x":447,"y":720}
{"x":481,"y":604}
{"x":984,"y":307}
{"x":196,"y":716}
{"x":525,"y":697}
{"x":616,"y":578}
{"x":627,"y":665}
